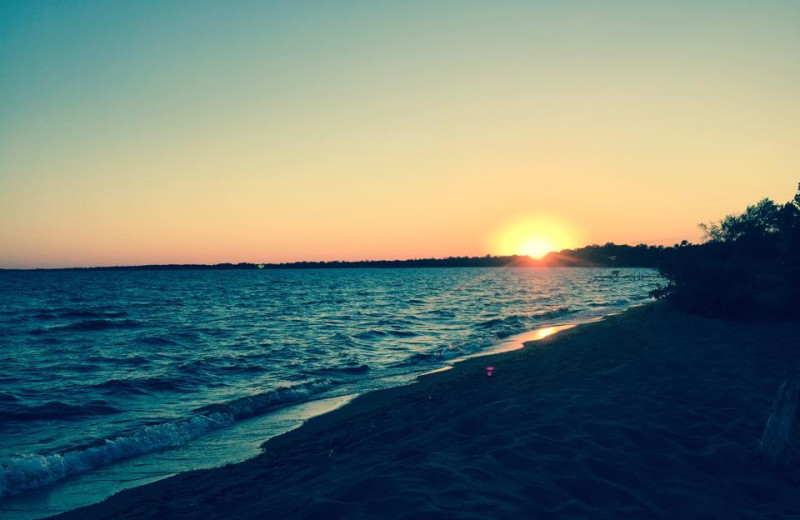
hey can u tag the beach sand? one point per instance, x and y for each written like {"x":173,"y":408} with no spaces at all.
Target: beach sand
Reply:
{"x":648,"y":414}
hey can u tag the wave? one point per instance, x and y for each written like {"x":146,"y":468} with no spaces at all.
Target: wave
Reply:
{"x":228,"y":364}
{"x":159,"y":341}
{"x":48,"y":314}
{"x":374,"y":333}
{"x":8,"y":398}
{"x":252,"y":405}
{"x":131,"y":360}
{"x":487,"y":332}
{"x":370,"y":334}
{"x":452,"y":351}
{"x":520,"y":319}
{"x":140,"y":385}
{"x":34,"y":470}
{"x":56,"y":410}
{"x":497,"y":322}
{"x":403,"y":333}
{"x":73,"y":367}
{"x":347,"y":369}
{"x":554,"y":313}
{"x":441,"y":312}
{"x":90,"y":326}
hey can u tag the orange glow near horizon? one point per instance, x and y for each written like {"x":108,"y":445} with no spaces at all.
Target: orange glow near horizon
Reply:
{"x":534,"y":237}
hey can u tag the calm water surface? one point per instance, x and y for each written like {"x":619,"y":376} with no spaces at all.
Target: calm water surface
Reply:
{"x":101,"y":370}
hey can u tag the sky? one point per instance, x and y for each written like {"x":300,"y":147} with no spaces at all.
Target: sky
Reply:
{"x":202,"y":132}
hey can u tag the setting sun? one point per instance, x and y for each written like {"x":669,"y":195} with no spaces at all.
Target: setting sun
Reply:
{"x":532,"y":236}
{"x":536,"y":248}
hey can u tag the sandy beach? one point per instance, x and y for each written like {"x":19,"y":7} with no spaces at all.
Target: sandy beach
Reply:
{"x":649,"y":414}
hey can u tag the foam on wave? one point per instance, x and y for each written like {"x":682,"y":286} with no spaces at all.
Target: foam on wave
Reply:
{"x":32,"y":471}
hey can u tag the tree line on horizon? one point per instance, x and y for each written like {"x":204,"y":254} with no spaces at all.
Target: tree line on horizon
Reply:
{"x":607,"y":255}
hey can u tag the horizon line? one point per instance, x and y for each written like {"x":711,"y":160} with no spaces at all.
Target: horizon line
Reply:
{"x":300,"y":263}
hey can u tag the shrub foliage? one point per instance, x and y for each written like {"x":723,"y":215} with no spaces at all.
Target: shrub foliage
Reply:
{"x":747,"y":269}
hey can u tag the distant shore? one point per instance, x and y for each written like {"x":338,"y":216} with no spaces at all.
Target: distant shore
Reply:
{"x":649,"y":414}
{"x":608,"y":255}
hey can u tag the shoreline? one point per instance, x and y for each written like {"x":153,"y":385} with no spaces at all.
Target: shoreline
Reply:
{"x":663,"y":424}
{"x":47,"y":501}
{"x":73,"y":486}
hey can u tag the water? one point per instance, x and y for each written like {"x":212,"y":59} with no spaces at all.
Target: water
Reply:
{"x":136,"y":375}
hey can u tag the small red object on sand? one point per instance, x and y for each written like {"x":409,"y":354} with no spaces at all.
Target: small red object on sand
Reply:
{"x":489,"y":371}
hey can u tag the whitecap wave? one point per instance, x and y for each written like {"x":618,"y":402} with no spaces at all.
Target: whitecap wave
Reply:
{"x":31,"y":471}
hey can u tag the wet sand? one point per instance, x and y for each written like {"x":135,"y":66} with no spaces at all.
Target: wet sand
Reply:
{"x":649,"y":414}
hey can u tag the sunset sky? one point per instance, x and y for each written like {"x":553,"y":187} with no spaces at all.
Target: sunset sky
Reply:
{"x":202,"y":132}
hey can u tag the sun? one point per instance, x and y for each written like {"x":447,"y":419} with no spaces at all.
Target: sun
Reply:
{"x":536,"y":248}
{"x":532,"y":236}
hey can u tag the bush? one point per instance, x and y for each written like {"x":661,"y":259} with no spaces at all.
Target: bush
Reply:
{"x":748,"y":268}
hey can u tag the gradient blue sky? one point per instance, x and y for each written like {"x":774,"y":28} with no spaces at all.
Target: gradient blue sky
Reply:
{"x":158,"y":132}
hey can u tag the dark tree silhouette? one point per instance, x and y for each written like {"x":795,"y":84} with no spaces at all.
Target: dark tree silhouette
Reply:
{"x":748,"y":268}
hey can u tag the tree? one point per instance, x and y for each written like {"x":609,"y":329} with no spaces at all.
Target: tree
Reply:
{"x":748,"y":268}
